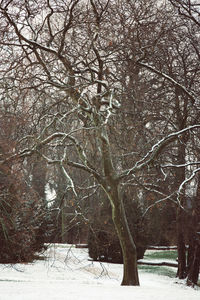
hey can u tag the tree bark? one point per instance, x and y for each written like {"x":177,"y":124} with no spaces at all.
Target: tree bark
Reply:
{"x":181,"y":272}
{"x":181,"y":220}
{"x":130,"y":271}
{"x":110,"y":184}
{"x":193,"y":272}
{"x":194,"y":241}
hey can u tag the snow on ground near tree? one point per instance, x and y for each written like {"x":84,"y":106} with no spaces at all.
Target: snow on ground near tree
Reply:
{"x":67,"y":274}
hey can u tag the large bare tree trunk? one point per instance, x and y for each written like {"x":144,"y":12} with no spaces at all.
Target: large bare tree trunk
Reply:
{"x":111,"y":186}
{"x":130,"y":271}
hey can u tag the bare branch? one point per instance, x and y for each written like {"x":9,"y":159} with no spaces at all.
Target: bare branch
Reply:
{"x":192,"y":97}
{"x":155,"y":150}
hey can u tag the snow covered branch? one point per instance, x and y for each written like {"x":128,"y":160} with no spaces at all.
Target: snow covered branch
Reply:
{"x":192,"y":97}
{"x":156,"y":150}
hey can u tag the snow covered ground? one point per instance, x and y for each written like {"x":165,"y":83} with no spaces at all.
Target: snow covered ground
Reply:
{"x":67,"y":274}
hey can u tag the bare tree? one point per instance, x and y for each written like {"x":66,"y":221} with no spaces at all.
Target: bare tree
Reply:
{"x":178,"y":65}
{"x":64,"y":59}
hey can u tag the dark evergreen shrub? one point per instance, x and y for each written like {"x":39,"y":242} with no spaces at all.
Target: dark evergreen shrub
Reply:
{"x":23,"y":222}
{"x":103,"y":243}
{"x":23,"y":214}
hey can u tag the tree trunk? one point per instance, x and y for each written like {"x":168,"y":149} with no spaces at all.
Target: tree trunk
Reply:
{"x":39,"y":177}
{"x":193,"y":273}
{"x":180,"y":221}
{"x":194,"y":241}
{"x":111,"y":186}
{"x":130,"y":271}
{"x":181,"y":273}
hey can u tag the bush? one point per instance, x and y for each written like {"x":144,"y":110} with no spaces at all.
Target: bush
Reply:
{"x":103,"y":243}
{"x":23,"y":218}
{"x":22,"y":229}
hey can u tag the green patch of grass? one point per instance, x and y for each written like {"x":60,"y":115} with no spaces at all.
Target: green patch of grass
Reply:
{"x":160,"y":270}
{"x":165,"y":254}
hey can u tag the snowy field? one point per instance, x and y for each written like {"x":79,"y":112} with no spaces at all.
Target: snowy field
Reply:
{"x":67,"y":274}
